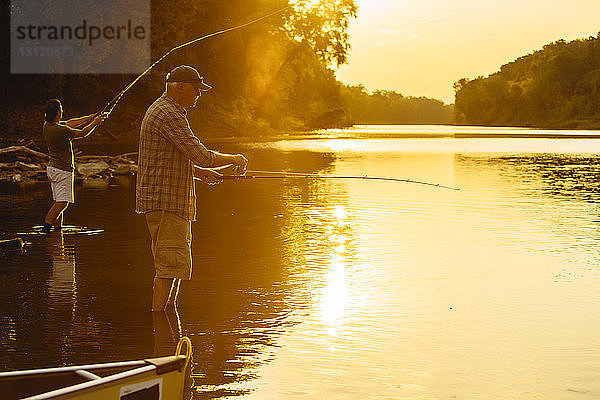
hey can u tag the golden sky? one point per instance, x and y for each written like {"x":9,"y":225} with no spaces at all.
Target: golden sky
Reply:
{"x":421,"y":47}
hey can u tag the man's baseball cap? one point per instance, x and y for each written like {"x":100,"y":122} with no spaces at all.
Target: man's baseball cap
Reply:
{"x":185,"y":73}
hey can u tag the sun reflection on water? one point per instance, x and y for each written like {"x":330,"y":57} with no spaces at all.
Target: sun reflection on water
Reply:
{"x":339,"y":145}
{"x":340,"y":214}
{"x":334,"y":300}
{"x":335,"y":297}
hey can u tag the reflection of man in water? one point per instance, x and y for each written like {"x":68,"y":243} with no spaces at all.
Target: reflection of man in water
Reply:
{"x":167,"y":332}
{"x":170,"y":156}
{"x":59,"y":136}
{"x":62,"y":297}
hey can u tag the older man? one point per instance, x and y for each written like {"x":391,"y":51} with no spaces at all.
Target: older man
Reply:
{"x":170,"y":156}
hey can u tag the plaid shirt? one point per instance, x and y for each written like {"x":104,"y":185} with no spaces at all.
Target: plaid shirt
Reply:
{"x":168,"y":150}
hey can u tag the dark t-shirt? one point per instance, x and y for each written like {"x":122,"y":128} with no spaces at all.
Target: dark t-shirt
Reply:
{"x":60,"y":148}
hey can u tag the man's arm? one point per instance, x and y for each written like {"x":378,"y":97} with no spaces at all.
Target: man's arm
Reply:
{"x":238,"y":160}
{"x":76,"y":122}
{"x":207,"y":175}
{"x":178,"y":132}
{"x":87,"y":130}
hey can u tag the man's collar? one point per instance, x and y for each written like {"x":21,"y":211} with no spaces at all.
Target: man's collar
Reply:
{"x":170,"y":99}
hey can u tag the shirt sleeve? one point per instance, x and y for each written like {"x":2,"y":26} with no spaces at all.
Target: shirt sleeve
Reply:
{"x":177,"y":131}
{"x":69,"y":132}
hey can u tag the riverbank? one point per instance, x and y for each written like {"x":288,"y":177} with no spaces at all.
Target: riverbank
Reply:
{"x":573,"y":129}
{"x":24,"y":163}
{"x":24,"y":166}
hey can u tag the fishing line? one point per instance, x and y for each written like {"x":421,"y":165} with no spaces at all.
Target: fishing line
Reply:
{"x":108,"y":109}
{"x":281,"y":174}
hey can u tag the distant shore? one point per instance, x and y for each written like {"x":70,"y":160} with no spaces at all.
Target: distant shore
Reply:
{"x":568,"y":130}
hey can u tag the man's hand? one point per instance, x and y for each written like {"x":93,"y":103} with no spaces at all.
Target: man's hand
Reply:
{"x":208,"y":176}
{"x":89,"y":128}
{"x":241,"y":163}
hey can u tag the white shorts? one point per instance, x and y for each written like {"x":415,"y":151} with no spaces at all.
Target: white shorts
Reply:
{"x":62,"y":183}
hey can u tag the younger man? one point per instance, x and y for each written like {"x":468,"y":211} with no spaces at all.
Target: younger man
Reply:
{"x":60,"y":170}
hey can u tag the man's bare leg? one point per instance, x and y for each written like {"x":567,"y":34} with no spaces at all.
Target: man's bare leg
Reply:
{"x":160,"y":293}
{"x":54,"y":216}
{"x":59,"y":220}
{"x":55,"y":212}
{"x":172,"y":301}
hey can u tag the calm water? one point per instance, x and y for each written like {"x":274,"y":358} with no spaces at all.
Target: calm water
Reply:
{"x":337,"y":288}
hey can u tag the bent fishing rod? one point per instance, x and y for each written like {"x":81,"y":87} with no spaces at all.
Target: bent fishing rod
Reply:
{"x":254,"y":174}
{"x":110,"y":106}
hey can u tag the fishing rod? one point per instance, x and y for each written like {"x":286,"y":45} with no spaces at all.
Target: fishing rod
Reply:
{"x":110,"y":106}
{"x":281,"y":174}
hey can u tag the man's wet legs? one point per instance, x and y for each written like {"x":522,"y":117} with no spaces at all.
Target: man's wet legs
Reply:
{"x":172,"y":301}
{"x":164,"y":293}
{"x":54,"y":217}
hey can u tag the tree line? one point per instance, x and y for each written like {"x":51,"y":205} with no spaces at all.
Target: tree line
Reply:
{"x":557,"y":86}
{"x":391,"y":107}
{"x":275,"y":75}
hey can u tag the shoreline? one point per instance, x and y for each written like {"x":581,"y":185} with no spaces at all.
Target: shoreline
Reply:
{"x":212,"y":135}
{"x":24,"y":164}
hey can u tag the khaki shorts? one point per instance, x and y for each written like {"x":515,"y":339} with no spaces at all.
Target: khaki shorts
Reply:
{"x":171,"y":245}
{"x":62,"y":184}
